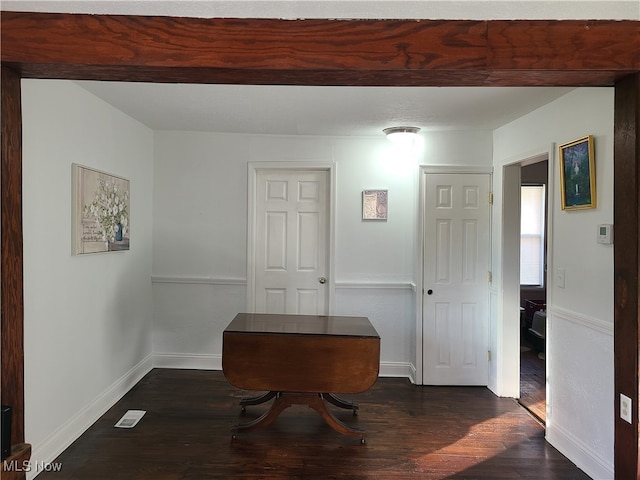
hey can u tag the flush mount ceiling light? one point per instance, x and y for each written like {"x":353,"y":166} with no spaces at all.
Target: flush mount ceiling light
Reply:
{"x":401,"y":135}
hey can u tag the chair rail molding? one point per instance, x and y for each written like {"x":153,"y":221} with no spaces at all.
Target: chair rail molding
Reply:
{"x":198,"y":280}
{"x":592,"y":323}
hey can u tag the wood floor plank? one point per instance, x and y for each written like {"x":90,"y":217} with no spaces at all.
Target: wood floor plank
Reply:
{"x":412,"y":432}
{"x":533,"y":395}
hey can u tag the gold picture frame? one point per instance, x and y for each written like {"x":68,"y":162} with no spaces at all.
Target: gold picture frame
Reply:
{"x":578,"y":174}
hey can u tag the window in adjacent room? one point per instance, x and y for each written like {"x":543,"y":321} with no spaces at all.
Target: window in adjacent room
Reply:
{"x":532,"y":208}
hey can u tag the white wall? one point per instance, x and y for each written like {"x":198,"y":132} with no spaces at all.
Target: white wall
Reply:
{"x":200,"y":228}
{"x":89,"y":333}
{"x":94,"y":324}
{"x":87,"y":318}
{"x":580,"y":363}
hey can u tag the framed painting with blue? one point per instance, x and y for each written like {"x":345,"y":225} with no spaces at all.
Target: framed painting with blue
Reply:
{"x":578,"y":174}
{"x":100,"y":211}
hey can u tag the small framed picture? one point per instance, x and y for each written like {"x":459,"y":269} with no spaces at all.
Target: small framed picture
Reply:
{"x":374,"y":204}
{"x":578,"y":174}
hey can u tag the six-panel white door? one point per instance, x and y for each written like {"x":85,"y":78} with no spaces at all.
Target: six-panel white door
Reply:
{"x":291,"y":235}
{"x":456,"y":284}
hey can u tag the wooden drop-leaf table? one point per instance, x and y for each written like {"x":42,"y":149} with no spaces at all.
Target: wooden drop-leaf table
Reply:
{"x":300,"y":360}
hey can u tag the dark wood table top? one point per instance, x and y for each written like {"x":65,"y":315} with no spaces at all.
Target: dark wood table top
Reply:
{"x":302,"y":325}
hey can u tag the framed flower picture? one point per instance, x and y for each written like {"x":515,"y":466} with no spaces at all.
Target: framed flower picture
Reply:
{"x":101,"y":211}
{"x":577,"y":174}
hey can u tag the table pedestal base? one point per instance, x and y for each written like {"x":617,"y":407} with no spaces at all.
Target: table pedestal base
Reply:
{"x":284,"y":400}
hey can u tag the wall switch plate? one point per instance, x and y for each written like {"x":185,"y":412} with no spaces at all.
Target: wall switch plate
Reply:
{"x":625,"y":408}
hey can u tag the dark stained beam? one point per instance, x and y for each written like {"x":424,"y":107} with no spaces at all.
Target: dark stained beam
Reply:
{"x":626,"y":153}
{"x":243,"y":43}
{"x":433,"y":78}
{"x":319,"y":52}
{"x":564,"y":45}
{"x":11,"y":290}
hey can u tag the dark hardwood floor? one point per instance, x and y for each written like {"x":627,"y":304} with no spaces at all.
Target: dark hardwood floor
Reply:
{"x":533,"y":388}
{"x":412,"y":433}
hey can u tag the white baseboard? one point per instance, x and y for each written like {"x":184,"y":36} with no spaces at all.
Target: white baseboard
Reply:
{"x":573,"y":448}
{"x":192,"y":361}
{"x":399,"y":370}
{"x":196,"y":361}
{"x":64,"y":436}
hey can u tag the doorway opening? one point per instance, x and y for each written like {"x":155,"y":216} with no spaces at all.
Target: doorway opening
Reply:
{"x":533,"y":285}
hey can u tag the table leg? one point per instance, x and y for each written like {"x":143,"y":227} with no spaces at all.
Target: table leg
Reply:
{"x":265,"y":419}
{"x":257,"y":400}
{"x":318,"y":404}
{"x":315,"y":401}
{"x":340,"y":402}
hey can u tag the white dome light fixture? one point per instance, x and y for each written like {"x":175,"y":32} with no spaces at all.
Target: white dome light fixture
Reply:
{"x":405,"y":136}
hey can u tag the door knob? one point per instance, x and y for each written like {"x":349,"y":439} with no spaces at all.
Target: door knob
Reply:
{"x":322,"y":280}
{"x":429,"y":292}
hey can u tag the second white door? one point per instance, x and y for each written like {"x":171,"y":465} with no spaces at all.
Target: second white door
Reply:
{"x":291,"y":241}
{"x":456,"y":283}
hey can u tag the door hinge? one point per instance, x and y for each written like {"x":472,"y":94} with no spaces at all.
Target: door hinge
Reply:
{"x":489,"y":355}
{"x":490,"y":276}
{"x":490,"y":198}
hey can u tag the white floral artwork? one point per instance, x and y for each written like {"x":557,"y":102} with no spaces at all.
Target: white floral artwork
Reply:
{"x":374,"y":204}
{"x":101,"y":211}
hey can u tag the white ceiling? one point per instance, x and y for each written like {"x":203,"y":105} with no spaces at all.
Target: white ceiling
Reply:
{"x":297,"y":110}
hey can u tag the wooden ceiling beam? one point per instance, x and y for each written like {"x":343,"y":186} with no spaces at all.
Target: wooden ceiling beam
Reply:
{"x":320,"y":52}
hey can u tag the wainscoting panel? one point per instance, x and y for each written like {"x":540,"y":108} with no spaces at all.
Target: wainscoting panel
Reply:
{"x":191,"y":312}
{"x":391,"y":308}
{"x":580,"y":407}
